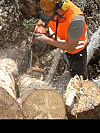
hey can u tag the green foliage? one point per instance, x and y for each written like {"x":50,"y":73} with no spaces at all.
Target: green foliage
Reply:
{"x":29,"y":24}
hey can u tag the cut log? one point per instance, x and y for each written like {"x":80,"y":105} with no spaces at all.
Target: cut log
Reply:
{"x":26,"y":83}
{"x":19,"y":55}
{"x":9,"y":65}
{"x":39,"y":100}
{"x":7,"y":82}
{"x":8,"y":70}
{"x":9,"y":108}
{"x":44,"y":104}
{"x":83,"y":99}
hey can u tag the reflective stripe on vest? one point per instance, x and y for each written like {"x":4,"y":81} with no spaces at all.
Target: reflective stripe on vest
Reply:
{"x":83,"y":42}
{"x":53,"y":35}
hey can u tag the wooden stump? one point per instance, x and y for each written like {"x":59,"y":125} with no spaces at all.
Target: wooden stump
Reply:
{"x":9,"y":108}
{"x":44,"y":104}
{"x":83,"y":99}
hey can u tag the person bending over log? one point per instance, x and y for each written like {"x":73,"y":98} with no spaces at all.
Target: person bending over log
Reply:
{"x":67,"y":31}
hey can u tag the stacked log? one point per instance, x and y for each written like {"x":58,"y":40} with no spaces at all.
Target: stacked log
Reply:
{"x":40,"y":101}
{"x":9,"y":108}
{"x":7,"y":82}
{"x":9,"y":65}
{"x":82,"y":99}
{"x":8,"y":69}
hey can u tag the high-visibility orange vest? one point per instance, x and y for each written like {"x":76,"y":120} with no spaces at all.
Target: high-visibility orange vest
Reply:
{"x":62,"y":28}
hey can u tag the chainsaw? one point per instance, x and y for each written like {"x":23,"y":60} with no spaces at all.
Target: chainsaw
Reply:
{"x":37,"y":47}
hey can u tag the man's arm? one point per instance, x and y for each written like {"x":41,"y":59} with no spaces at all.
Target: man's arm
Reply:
{"x":75,"y":31}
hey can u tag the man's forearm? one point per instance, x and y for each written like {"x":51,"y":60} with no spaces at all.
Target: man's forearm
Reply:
{"x":62,"y":45}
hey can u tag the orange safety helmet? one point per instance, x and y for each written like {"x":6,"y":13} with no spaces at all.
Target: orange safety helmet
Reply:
{"x":48,"y":6}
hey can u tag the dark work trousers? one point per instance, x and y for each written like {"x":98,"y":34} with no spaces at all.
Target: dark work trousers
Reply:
{"x":76,"y":63}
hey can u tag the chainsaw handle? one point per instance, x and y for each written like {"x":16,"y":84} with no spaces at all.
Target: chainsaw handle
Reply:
{"x":35,"y":34}
{"x":40,"y":29}
{"x":40,"y":23}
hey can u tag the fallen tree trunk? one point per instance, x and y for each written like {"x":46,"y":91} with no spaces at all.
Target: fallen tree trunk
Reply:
{"x":82,"y":99}
{"x":26,"y":83}
{"x":55,"y":62}
{"x":39,"y":100}
{"x":93,"y":45}
{"x":9,"y":108}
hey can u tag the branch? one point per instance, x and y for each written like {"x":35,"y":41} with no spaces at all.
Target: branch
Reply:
{"x":93,"y":45}
{"x":55,"y":62}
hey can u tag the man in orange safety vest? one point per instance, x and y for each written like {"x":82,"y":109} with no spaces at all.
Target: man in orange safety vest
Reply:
{"x":67,"y":31}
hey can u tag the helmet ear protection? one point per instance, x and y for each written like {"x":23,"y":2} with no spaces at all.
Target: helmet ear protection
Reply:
{"x":63,"y":5}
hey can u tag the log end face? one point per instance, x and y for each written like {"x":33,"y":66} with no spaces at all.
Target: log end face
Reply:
{"x":44,"y":104}
{"x":9,"y":108}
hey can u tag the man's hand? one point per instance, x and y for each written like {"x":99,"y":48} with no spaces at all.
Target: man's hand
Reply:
{"x":43,"y":37}
{"x":40,"y":23}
